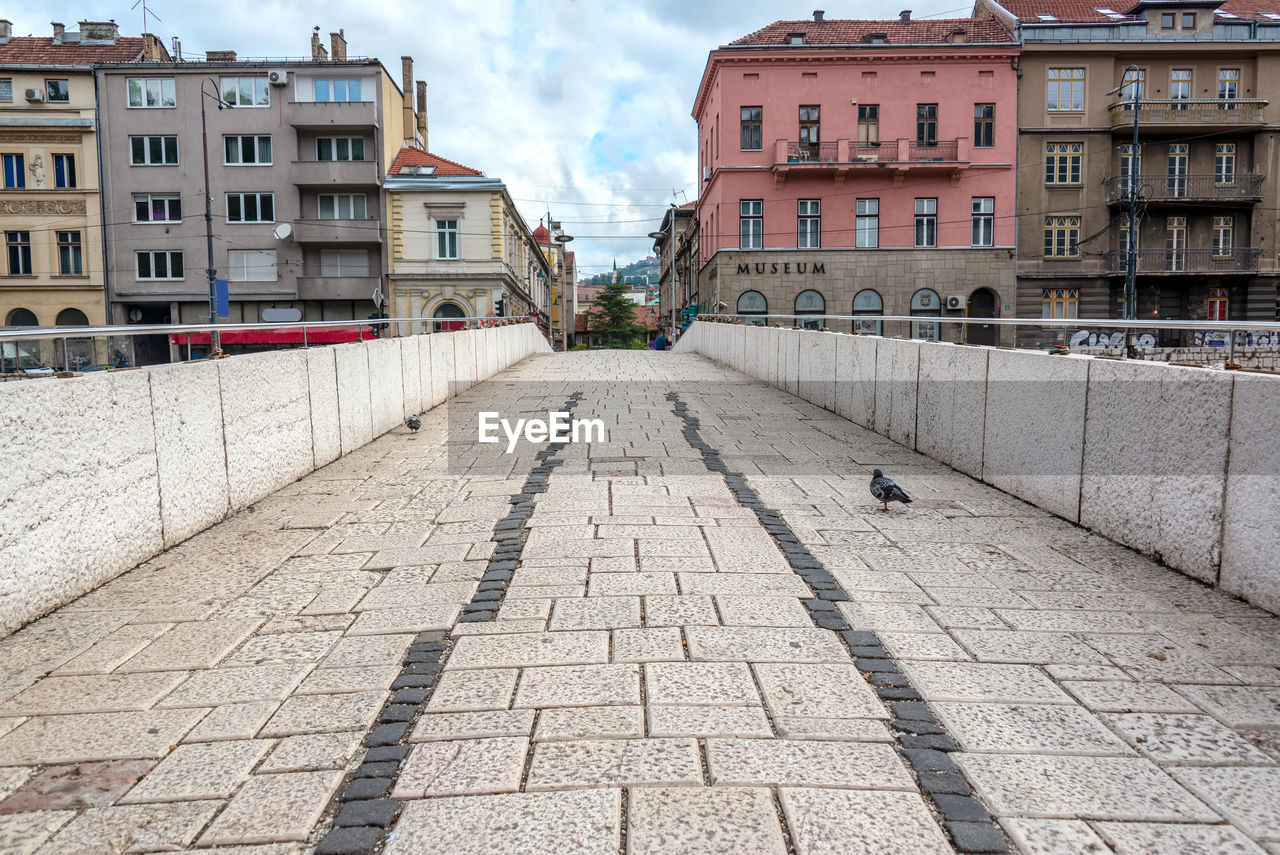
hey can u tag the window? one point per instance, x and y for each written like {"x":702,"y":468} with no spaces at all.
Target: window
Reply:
{"x":984,"y":125}
{"x":926,"y":124}
{"x":1060,"y":303}
{"x":869,"y":124}
{"x":19,"y":246}
{"x":1188,"y":20}
{"x":1133,"y":84}
{"x":151,"y":92}
{"x":1066,"y":89}
{"x":64,"y":170}
{"x":337,"y":90}
{"x":251,"y":208}
{"x":246,"y":91}
{"x":752,"y":303}
{"x":251,"y":265}
{"x":1223,"y":229}
{"x":925,"y":302}
{"x":1127,"y":234}
{"x":867,"y":233}
{"x":1130,"y":167}
{"x":751,"y":224}
{"x":867,"y":303}
{"x":163,"y":264}
{"x":810,"y":302}
{"x":342,"y":206}
{"x":1166,"y":20}
{"x":809,"y":224}
{"x":69,"y":258}
{"x":157,"y":208}
{"x":809,"y":130}
{"x":340,"y":148}
{"x":984,"y":221}
{"x":1217,"y":304}
{"x":926,"y":222}
{"x":344,"y":262}
{"x":1062,"y":163}
{"x":6,"y":90}
{"x":446,"y":238}
{"x":1175,"y":243}
{"x":1061,"y":237}
{"x":1180,"y":85}
{"x":1178,"y":170}
{"x":795,"y":38}
{"x":1228,"y":85}
{"x":15,"y":171}
{"x":57,"y":91}
{"x":154,"y":151}
{"x":247,"y":151}
{"x":1224,"y":163}
{"x":752,"y":128}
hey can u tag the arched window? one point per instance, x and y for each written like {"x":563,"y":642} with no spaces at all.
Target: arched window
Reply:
{"x":752,"y":303}
{"x":810,"y":303}
{"x":22,"y":318}
{"x":444,"y":314}
{"x":72,"y":318}
{"x":16,"y":355}
{"x":868,"y":303}
{"x":925,"y":302}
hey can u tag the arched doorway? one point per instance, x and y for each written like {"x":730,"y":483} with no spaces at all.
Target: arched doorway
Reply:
{"x":868,"y":303}
{"x":444,"y":312}
{"x":16,"y":355}
{"x":925,"y":303}
{"x":810,"y":303}
{"x":752,"y":303}
{"x":983,"y":303}
{"x":75,"y":354}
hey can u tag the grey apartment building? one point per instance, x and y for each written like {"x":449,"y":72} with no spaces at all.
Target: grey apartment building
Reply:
{"x":297,"y":151}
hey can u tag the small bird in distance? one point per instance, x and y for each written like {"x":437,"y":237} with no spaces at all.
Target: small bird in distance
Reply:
{"x":413,"y":424}
{"x":886,"y":491}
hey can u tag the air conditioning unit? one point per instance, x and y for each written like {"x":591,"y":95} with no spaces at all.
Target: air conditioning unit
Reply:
{"x":278,"y":77}
{"x":706,"y":173}
{"x":955,"y":303}
{"x":34,"y":94}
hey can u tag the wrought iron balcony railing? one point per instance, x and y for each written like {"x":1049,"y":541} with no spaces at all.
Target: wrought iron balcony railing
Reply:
{"x":1237,"y":187}
{"x":1190,"y":111}
{"x":1189,"y":260}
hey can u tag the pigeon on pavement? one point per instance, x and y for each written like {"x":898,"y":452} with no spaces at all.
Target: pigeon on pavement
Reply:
{"x":886,"y":491}
{"x":413,"y":424}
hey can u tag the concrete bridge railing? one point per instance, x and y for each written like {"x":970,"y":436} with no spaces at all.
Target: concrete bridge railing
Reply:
{"x":1182,"y":464}
{"x":103,"y":471}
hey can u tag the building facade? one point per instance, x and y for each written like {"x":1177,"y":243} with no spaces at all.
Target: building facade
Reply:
{"x":1195,"y":80}
{"x":459,"y":247}
{"x":860,"y":167}
{"x":296,"y":156}
{"x":673,"y":282}
{"x":50,"y":204}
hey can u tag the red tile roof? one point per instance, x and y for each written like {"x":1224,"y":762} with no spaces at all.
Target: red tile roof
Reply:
{"x":40,"y":50}
{"x":838,"y":32}
{"x":414,"y":156}
{"x":1085,"y":11}
{"x":541,"y":235}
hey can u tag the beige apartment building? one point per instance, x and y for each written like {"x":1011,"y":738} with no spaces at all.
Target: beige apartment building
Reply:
{"x":1199,"y":81}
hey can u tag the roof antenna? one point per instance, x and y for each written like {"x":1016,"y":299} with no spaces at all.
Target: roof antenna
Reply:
{"x":145,"y":13}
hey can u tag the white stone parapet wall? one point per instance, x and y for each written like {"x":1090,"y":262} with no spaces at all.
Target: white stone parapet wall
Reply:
{"x":1177,"y":462}
{"x":102,"y":472}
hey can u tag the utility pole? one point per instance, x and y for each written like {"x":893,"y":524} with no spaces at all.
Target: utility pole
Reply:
{"x":215,"y":340}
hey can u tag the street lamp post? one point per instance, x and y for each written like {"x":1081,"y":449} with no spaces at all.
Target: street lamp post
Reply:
{"x":215,"y":340}
{"x":1131,"y":255}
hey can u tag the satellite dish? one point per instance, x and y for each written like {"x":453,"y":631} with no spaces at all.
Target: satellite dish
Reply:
{"x":283,"y":231}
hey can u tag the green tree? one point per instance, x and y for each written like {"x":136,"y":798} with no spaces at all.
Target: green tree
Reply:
{"x":613,"y":318}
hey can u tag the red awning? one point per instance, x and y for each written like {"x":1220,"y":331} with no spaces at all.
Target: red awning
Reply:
{"x":280,"y":335}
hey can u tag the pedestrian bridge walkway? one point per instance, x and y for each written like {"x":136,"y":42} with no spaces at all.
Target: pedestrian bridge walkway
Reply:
{"x":701,"y":635}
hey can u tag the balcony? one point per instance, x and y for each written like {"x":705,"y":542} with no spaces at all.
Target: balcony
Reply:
{"x":337,"y":287}
{"x":337,"y":231}
{"x":333,"y":115}
{"x":841,"y":157}
{"x":1155,"y":114}
{"x":1242,"y":188}
{"x":335,"y":173}
{"x":1200,"y":260}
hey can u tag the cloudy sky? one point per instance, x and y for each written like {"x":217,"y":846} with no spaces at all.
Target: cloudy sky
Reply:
{"x":581,"y":106}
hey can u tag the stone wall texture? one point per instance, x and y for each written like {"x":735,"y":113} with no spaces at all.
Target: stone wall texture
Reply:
{"x":1180,"y":463}
{"x":106,"y":470}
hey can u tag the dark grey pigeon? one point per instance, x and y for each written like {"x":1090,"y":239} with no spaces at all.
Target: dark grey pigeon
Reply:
{"x":886,"y":491}
{"x":413,"y":424}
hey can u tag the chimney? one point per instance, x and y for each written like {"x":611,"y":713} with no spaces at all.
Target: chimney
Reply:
{"x":6,"y":31}
{"x":99,"y":32}
{"x":318,"y":51}
{"x":406,"y":88}
{"x":338,"y":45}
{"x":220,"y":56}
{"x":905,"y":16}
{"x":58,"y":31}
{"x":422,"y":112}
{"x":817,"y":16}
{"x":153,"y":49}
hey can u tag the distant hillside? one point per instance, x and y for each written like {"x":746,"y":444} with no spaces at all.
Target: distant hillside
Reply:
{"x":645,"y":271}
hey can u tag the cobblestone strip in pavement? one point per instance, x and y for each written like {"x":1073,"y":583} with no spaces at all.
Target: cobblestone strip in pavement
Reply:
{"x":921,"y":740}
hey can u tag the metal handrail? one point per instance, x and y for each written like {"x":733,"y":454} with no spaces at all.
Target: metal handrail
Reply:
{"x":46,"y":333}
{"x":1214,"y":326}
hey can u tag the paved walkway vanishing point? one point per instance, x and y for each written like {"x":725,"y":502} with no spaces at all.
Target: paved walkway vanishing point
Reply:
{"x":699,"y":636}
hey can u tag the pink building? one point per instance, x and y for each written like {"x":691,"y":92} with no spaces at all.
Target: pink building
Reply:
{"x":861,"y":167}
